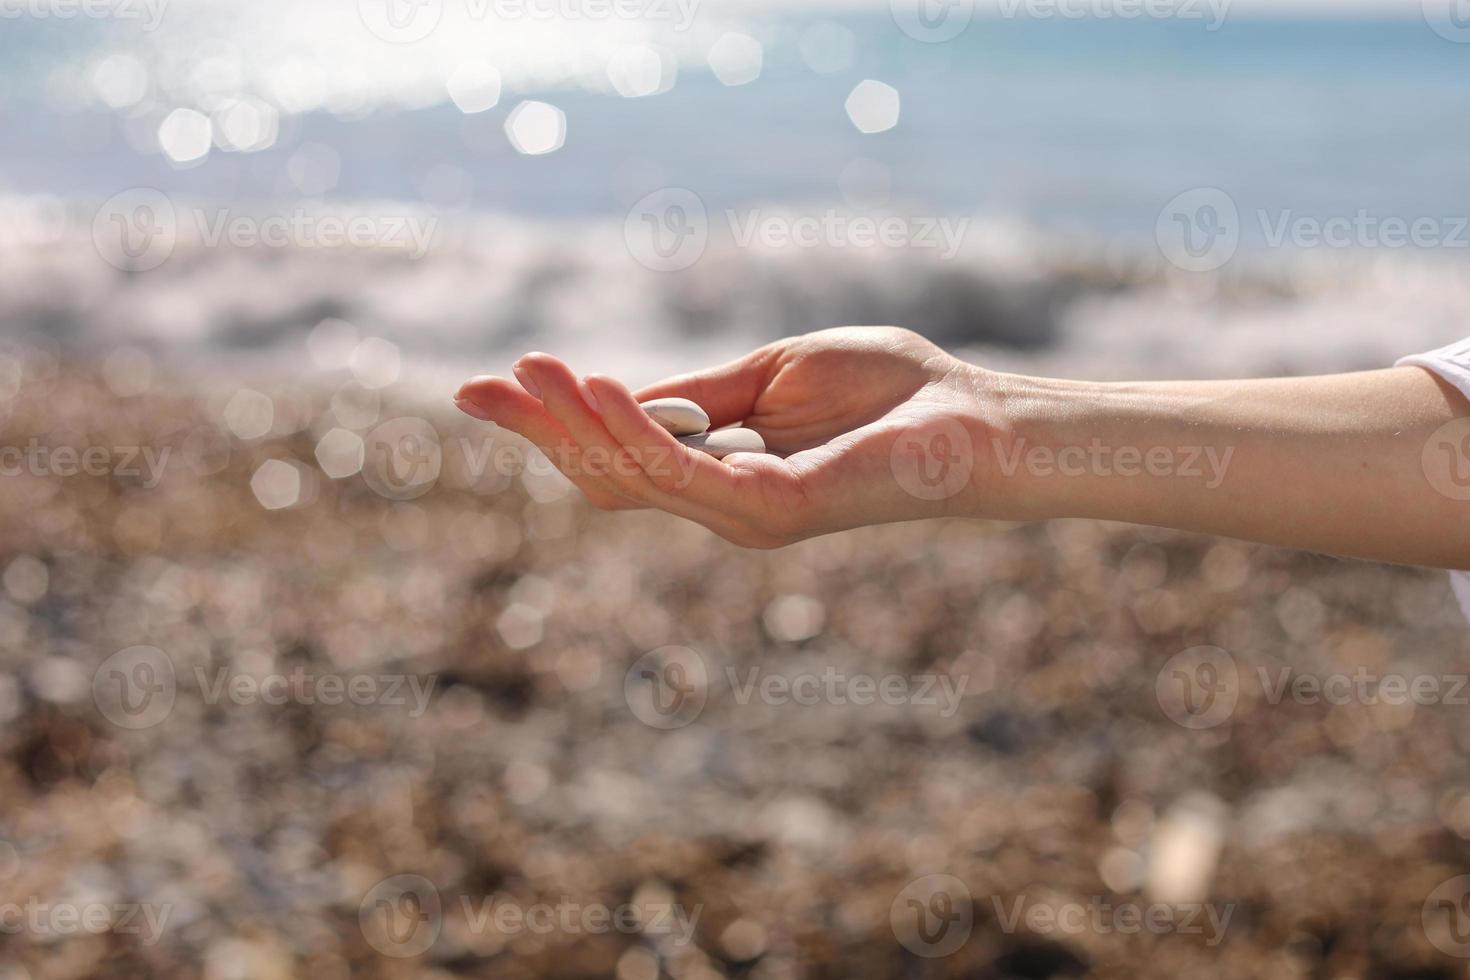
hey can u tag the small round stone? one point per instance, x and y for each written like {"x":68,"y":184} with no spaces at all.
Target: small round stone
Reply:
{"x":679,"y":415}
{"x":722,"y":442}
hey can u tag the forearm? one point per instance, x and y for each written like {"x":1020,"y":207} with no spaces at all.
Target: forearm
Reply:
{"x":1331,"y":464}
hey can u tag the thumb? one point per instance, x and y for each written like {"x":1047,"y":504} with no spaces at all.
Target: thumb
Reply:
{"x":727,"y":393}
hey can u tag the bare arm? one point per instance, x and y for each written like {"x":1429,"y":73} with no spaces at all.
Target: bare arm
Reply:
{"x":869,"y":425}
{"x":1334,"y":464}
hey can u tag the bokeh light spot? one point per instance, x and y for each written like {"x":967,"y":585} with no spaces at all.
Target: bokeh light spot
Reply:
{"x":873,"y":106}
{"x":536,"y":127}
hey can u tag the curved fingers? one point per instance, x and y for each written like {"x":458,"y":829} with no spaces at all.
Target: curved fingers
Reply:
{"x":744,"y":497}
{"x":506,"y":403}
{"x":638,"y":470}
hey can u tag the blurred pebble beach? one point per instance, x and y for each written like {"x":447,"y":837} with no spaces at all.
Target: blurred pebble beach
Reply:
{"x":265,"y":544}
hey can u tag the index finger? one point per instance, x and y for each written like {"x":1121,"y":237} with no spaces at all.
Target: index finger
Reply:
{"x":727,"y":393}
{"x":738,"y":487}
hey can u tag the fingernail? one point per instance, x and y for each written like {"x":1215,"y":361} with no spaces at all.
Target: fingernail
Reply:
{"x":587,"y":395}
{"x":471,"y":409}
{"x":524,"y":377}
{"x":477,"y":379}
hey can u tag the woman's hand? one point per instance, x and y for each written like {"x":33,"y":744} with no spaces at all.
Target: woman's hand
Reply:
{"x":866,"y":425}
{"x":874,"y":424}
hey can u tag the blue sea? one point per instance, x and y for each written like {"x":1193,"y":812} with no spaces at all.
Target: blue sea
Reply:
{"x":1035,"y":129}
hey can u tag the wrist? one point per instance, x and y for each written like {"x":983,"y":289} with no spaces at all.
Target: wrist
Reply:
{"x":1031,"y":445}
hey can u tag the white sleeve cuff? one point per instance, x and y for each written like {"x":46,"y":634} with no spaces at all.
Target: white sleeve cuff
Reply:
{"x":1453,"y":364}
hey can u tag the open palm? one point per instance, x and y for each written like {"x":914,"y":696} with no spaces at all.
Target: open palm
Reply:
{"x":840,"y":411}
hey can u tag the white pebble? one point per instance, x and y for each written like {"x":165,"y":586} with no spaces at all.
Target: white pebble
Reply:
{"x":722,"y":442}
{"x":679,"y":415}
